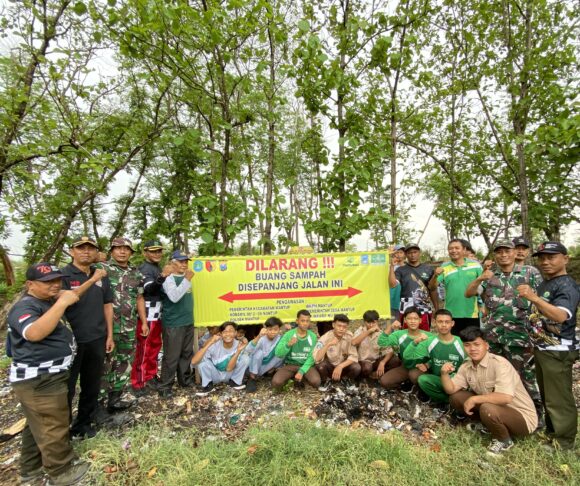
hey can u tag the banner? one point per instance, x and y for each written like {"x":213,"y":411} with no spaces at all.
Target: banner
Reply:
{"x":249,"y":289}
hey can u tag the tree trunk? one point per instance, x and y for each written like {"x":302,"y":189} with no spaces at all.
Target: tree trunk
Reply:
{"x":8,"y":269}
{"x":270,"y":94}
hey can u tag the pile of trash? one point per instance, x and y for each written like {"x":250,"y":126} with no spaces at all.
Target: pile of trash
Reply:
{"x":379,"y":409}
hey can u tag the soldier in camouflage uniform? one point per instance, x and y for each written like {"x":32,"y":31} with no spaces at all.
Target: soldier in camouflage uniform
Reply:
{"x":507,"y":324}
{"x":128,"y":304}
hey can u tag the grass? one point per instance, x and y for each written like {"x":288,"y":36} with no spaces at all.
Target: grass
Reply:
{"x":296,"y":452}
{"x":5,"y":361}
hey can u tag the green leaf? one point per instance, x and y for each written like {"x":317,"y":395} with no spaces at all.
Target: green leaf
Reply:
{"x":304,"y":25}
{"x":206,"y":237}
{"x":80,"y":8}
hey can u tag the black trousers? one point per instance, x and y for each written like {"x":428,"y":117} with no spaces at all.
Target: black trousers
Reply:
{"x":177,"y":354}
{"x":88,"y":365}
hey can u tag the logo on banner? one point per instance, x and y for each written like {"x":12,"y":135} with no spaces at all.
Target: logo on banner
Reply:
{"x":351,"y":261}
{"x":364,"y":259}
{"x":379,"y":259}
{"x":197,"y":266}
{"x":223,"y":266}
{"x":210,"y":266}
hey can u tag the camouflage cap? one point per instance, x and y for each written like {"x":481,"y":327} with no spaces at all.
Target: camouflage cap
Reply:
{"x":122,"y":242}
{"x":504,"y":244}
{"x":82,"y":240}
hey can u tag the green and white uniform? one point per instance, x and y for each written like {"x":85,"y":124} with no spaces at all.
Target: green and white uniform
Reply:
{"x":436,"y":353}
{"x":300,"y":354}
{"x":399,"y":341}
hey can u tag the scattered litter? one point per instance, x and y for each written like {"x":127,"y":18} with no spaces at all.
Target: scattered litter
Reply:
{"x":377,"y":409}
{"x":13,"y":430}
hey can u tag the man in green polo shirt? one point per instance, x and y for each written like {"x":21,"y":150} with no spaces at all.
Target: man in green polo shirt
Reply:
{"x":455,"y":276}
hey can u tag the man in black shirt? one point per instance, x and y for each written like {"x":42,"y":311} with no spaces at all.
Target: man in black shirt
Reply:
{"x":414,"y":278}
{"x":91,"y":320}
{"x":554,"y":319}
{"x":42,"y":348}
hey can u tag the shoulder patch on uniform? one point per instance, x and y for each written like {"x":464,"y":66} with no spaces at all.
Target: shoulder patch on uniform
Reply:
{"x":433,"y":343}
{"x":459,"y":348}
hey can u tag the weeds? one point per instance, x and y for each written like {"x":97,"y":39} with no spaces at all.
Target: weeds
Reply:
{"x":296,"y":452}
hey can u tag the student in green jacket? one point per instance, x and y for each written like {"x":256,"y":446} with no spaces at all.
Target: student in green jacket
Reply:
{"x":296,"y":347}
{"x":431,"y":353}
{"x":394,"y":370}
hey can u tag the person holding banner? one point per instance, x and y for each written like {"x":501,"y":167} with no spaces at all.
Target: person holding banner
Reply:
{"x":261,"y":351}
{"x":296,"y":348}
{"x":335,"y":356}
{"x":221,"y":360}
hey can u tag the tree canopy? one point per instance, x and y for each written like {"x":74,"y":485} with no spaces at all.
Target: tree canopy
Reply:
{"x":249,"y":125}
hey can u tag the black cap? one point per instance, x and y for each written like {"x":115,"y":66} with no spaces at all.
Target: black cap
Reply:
{"x":520,"y":241}
{"x":152,"y":245}
{"x":410,"y":246}
{"x":82,"y":240}
{"x":43,"y":272}
{"x":551,"y":247}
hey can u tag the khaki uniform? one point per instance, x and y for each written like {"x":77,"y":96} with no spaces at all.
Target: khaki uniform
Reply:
{"x":336,"y":355}
{"x":496,"y":374}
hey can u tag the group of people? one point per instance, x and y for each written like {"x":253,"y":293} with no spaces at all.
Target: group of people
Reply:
{"x":494,"y":341}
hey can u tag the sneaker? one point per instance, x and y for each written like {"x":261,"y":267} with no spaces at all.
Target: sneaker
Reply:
{"x":407,"y":387}
{"x":496,"y":447}
{"x":71,"y":476}
{"x":165,"y":393}
{"x":86,"y":432}
{"x":116,"y":402}
{"x":423,"y":397}
{"x":251,"y":386}
{"x":460,"y":416}
{"x":478,"y":427}
{"x":350,"y":385}
{"x":139,"y":392}
{"x":102,"y":415}
{"x":152,"y":385}
{"x":33,"y":478}
{"x":442,"y":407}
{"x":299,"y":385}
{"x":204,"y":390}
{"x":235,"y":386}
{"x":325,"y":386}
